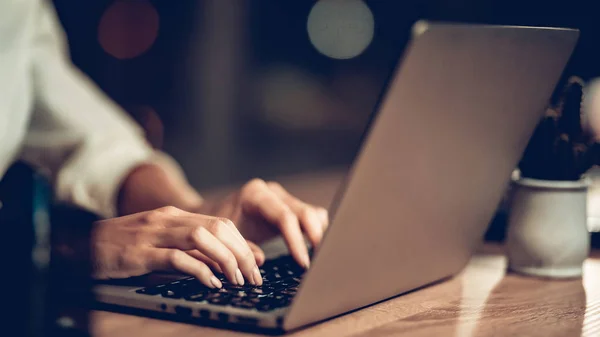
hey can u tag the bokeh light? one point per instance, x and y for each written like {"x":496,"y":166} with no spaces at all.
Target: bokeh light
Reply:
{"x":340,"y":29}
{"x":128,"y":28}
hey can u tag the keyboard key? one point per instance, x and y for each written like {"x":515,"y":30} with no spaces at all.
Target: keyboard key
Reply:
{"x":196,"y":297}
{"x":171,"y":294}
{"x":276,"y":297}
{"x":218,"y":298}
{"x":152,"y":290}
{"x":272,"y":304}
{"x":189,"y":288}
{"x":219,"y":301}
{"x":148,"y":291}
{"x":235,"y":287}
{"x":179,"y":290}
{"x":244,"y":302}
{"x":243,"y":305}
{"x":254,"y":295}
{"x":281,"y":279}
{"x":257,"y":290}
{"x":269,"y":289}
{"x":264,"y":307}
{"x":289,"y":291}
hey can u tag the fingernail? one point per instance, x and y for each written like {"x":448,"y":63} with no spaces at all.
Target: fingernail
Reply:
{"x":215,"y":282}
{"x":306,"y":261}
{"x":257,"y":277}
{"x":239,"y":278}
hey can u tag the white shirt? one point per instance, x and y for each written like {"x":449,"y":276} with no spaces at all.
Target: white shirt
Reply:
{"x":55,"y":118}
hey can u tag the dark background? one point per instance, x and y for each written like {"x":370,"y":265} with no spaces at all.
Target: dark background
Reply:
{"x":212,"y":89}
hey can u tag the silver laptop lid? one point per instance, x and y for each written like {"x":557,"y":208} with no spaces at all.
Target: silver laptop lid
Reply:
{"x":451,"y":127}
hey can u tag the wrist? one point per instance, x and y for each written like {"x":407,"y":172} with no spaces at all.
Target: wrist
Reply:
{"x":150,"y":186}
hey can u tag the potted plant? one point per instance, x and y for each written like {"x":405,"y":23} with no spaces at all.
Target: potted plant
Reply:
{"x":547,"y":232}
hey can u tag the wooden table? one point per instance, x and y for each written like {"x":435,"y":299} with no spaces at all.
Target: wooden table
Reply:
{"x":481,"y":301}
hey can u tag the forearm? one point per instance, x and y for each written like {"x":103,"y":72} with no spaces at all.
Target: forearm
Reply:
{"x":150,"y":186}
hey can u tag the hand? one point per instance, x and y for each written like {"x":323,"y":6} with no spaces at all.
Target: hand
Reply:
{"x":262,"y":210}
{"x":172,"y":239}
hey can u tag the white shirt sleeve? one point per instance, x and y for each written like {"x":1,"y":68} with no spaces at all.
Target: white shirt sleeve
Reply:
{"x":85,"y":143}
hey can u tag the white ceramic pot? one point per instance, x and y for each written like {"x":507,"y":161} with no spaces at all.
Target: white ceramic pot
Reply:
{"x":547,"y":228}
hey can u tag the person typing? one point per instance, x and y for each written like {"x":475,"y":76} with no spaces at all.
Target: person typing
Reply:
{"x":53,"y":117}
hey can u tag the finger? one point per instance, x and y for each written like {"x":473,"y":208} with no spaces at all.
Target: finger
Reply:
{"x":264,"y":202}
{"x":248,"y":270}
{"x":310,"y":221}
{"x":201,"y":239}
{"x":172,"y":210}
{"x":174,"y":259}
{"x":224,"y":230}
{"x":324,"y":216}
{"x":192,"y":219}
{"x":199,"y":256}
{"x":259,"y":254}
{"x":123,"y":219}
{"x":181,"y":218}
{"x":235,"y":230}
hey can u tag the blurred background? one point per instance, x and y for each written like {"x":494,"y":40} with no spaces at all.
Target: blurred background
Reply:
{"x":235,"y":89}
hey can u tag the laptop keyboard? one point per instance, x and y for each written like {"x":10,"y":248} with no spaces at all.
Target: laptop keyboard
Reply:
{"x":281,"y":278}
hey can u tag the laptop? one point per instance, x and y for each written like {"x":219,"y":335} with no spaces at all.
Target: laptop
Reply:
{"x":437,"y":155}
